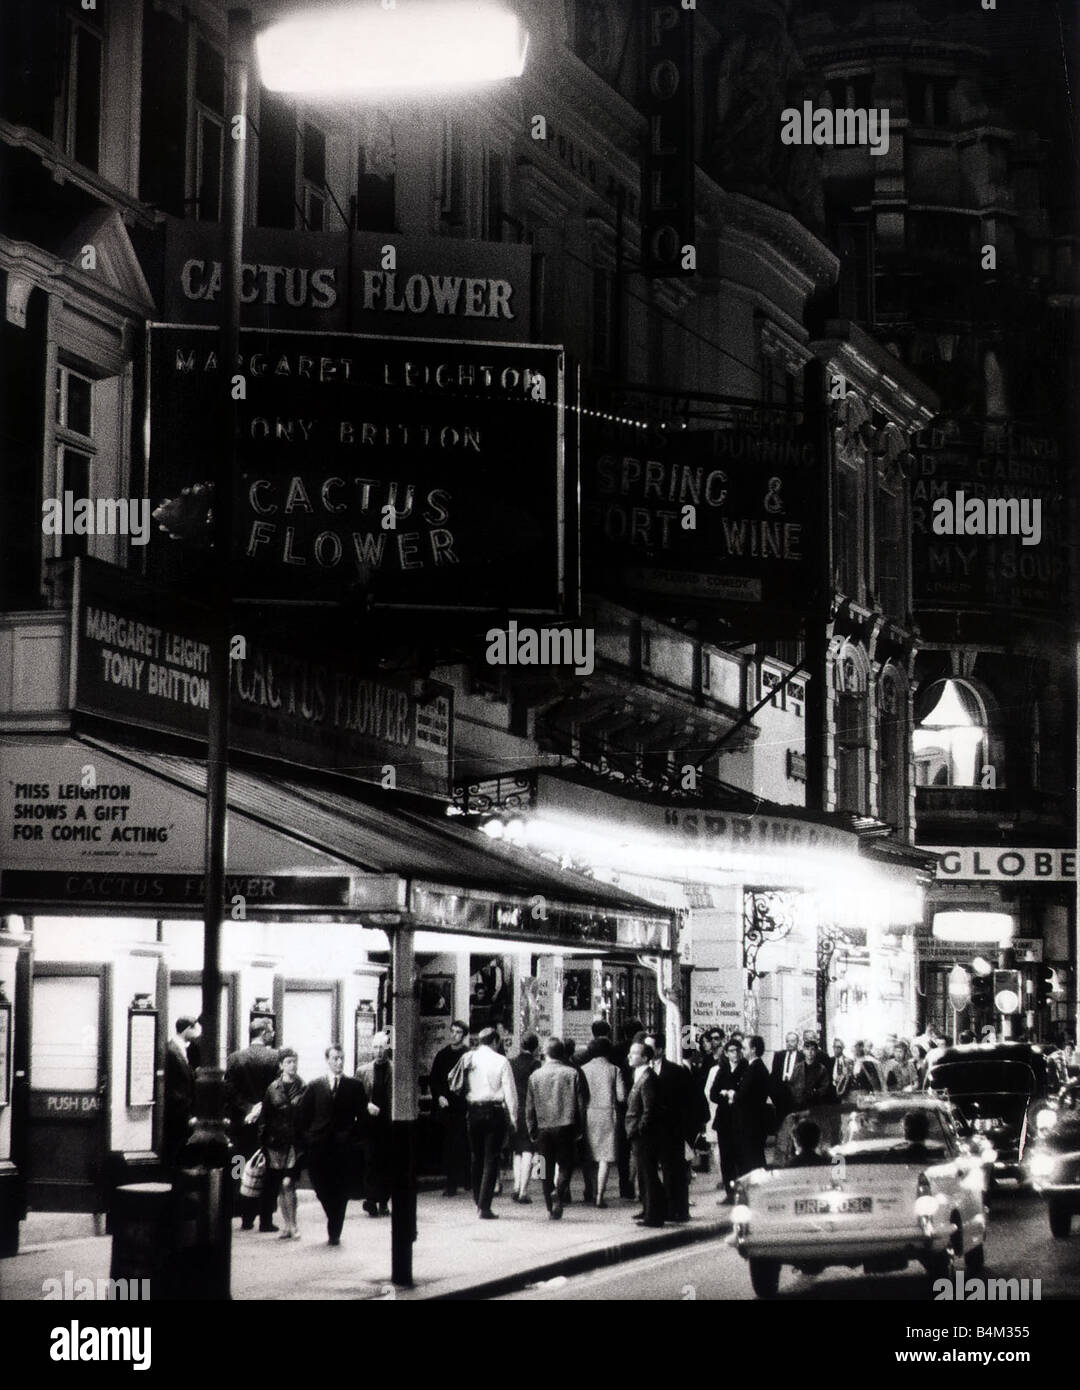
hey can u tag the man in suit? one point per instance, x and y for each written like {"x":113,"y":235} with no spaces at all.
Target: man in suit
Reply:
{"x":782,"y":1074}
{"x":750,"y":1109}
{"x":450,"y":1109}
{"x":841,"y":1073}
{"x":643,"y":1133}
{"x":248,"y":1073}
{"x":376,"y":1084}
{"x":329,"y":1115}
{"x":179,"y":1089}
{"x":865,"y":1075}
{"x":810,"y":1084}
{"x":682,"y":1113}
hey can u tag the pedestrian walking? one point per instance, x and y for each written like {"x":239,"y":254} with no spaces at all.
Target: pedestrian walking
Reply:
{"x":487,"y":1082}
{"x":328,"y":1118}
{"x":722,"y":1094}
{"x":375,"y":1142}
{"x":278,"y":1136}
{"x":449,"y":1110}
{"x":555,"y":1115}
{"x":248,"y":1074}
{"x":606,"y":1093}
{"x":642,"y":1129}
{"x":523,"y":1066}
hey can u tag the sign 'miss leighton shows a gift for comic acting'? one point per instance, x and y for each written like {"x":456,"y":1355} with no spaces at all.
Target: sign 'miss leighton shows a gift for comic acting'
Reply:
{"x":401,"y":473}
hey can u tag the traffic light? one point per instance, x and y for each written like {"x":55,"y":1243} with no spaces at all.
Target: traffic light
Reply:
{"x":1045,"y":984}
{"x":1007,"y":991}
{"x":982,"y":994}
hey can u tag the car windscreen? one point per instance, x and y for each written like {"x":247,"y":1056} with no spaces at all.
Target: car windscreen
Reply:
{"x":889,"y":1125}
{"x":983,"y":1078}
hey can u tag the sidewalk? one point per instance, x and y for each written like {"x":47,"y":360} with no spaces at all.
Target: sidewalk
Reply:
{"x":455,"y":1255}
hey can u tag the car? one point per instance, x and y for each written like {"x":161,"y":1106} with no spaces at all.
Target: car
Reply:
{"x":878,"y":1195}
{"x":996,"y":1087}
{"x":1053,"y":1158}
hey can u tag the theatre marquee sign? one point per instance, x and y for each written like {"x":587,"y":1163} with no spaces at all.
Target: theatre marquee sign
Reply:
{"x":401,"y":473}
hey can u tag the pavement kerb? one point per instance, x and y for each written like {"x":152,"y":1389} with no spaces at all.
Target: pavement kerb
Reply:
{"x":615,"y":1252}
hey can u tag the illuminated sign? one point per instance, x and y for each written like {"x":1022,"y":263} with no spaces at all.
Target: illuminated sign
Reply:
{"x":364,"y":283}
{"x":380,"y":471}
{"x":667,"y":167}
{"x":991,"y":863}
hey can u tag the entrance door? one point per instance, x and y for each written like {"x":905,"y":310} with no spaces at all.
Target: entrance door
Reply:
{"x":185,"y":1001}
{"x":310,"y":1022}
{"x":67,"y":1137}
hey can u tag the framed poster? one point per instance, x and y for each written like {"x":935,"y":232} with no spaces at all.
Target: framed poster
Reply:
{"x":364,"y":1031}
{"x":5,"y":1053}
{"x":490,"y":1000}
{"x":437,"y":996}
{"x":141,"y":1056}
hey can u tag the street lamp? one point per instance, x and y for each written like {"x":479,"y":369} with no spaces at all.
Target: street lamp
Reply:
{"x":350,"y":50}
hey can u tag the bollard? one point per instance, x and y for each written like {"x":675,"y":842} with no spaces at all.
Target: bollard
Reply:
{"x":141,"y":1239}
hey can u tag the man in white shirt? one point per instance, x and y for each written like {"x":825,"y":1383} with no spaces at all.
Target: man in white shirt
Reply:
{"x":491,"y":1100}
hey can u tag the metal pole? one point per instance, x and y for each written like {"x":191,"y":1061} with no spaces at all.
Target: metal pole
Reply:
{"x":404,"y":1106}
{"x":204,"y":1263}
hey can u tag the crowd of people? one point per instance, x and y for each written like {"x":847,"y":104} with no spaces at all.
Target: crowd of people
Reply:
{"x":615,"y":1106}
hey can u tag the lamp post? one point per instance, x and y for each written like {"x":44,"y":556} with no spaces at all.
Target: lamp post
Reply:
{"x":339,"y":50}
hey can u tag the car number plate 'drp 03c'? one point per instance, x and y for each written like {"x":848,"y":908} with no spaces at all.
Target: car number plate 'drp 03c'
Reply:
{"x":833,"y":1206}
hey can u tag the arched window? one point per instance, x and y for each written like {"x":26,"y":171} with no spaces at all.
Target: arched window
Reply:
{"x":955,"y":742}
{"x":892,"y":763}
{"x":851,"y":677}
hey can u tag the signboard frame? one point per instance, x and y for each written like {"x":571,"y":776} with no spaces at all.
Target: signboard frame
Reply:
{"x":141,"y":1084}
{"x":560,"y":588}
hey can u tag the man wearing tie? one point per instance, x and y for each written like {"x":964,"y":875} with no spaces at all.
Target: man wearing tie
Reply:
{"x":329,"y":1114}
{"x":377,"y":1085}
{"x":783,"y":1069}
{"x":840,"y":1072}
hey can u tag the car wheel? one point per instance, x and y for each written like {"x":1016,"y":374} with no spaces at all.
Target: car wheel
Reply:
{"x":765,"y":1277}
{"x":1060,"y":1220}
{"x":945,"y":1264}
{"x":975,"y":1259}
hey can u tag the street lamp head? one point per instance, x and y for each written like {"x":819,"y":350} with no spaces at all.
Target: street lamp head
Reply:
{"x":425,"y":45}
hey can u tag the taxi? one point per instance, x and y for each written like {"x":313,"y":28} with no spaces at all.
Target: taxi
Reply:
{"x":890,"y":1181}
{"x":1053,"y":1158}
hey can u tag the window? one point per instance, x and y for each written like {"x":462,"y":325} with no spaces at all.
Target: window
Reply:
{"x":313,"y":173}
{"x":889,"y":579}
{"x":163,"y":117}
{"x":847,"y":531}
{"x":856,"y":287}
{"x":209,"y":130}
{"x":494,"y":195}
{"x":74,"y":413}
{"x":82,"y":116}
{"x":928,"y":100}
{"x":376,"y":175}
{"x":601,"y":320}
{"x":452,"y":174}
{"x":277,"y":162}
{"x":954,"y":742}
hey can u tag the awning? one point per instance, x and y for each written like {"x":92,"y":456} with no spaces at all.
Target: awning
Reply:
{"x":412,"y":868}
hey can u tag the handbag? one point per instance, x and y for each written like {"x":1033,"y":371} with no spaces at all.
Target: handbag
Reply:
{"x":254,"y":1173}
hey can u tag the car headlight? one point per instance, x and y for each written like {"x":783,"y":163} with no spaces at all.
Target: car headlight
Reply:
{"x":983,"y":1124}
{"x":740,"y":1215}
{"x":1042,"y":1165}
{"x":1045,"y":1121}
{"x":926,"y":1207}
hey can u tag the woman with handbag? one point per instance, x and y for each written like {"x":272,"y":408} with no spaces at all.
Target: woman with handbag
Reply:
{"x":278,"y":1137}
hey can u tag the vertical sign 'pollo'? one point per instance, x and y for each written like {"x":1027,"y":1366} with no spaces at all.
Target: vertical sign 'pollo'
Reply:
{"x":667,"y":168}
